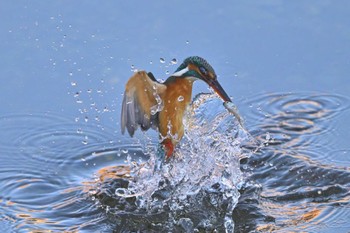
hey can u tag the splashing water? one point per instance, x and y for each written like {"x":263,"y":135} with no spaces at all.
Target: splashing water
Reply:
{"x":197,"y":189}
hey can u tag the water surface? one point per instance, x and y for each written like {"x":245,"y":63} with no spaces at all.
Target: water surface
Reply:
{"x":60,"y":177}
{"x":63,"y":67}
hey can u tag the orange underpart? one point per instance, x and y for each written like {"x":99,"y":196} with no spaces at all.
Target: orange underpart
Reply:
{"x":168,"y":147}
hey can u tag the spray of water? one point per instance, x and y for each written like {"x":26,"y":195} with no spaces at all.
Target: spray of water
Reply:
{"x":198,"y":187}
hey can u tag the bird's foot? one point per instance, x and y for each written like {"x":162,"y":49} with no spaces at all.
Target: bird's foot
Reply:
{"x":168,"y":147}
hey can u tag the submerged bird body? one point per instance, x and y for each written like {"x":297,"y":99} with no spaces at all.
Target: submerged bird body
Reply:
{"x":161,"y":106}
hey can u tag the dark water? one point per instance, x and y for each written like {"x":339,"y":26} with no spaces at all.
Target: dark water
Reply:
{"x":299,"y":181}
{"x":65,"y":166}
{"x":58,"y":177}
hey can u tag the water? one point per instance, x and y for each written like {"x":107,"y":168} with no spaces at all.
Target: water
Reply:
{"x":62,"y":156}
{"x":191,"y":191}
{"x":294,"y":185}
{"x":218,"y":179}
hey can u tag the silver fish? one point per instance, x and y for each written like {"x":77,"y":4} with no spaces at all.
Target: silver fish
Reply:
{"x":231,"y":107}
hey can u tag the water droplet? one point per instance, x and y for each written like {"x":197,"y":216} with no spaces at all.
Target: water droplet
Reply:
{"x":119,"y":153}
{"x":229,"y":224}
{"x":173,"y":61}
{"x":187,"y":41}
{"x":125,"y":151}
{"x":167,"y":72}
{"x":154,"y":110}
{"x":70,"y":74}
{"x":162,"y":60}
{"x":319,"y":192}
{"x":268,"y":136}
{"x":89,"y":91}
{"x":151,"y":62}
{"x":73,"y":84}
{"x":133,"y":69}
{"x":84,"y":142}
{"x":79,"y":131}
{"x":180,"y":98}
{"x":121,"y":192}
{"x":186,"y":224}
{"x":86,"y":119}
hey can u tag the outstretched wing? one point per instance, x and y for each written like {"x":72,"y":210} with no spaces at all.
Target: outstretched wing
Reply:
{"x":142,"y":97}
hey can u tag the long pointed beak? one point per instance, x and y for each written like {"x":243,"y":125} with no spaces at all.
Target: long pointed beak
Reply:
{"x":219,"y":90}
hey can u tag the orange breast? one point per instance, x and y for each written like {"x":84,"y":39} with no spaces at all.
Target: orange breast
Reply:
{"x":176,"y":99}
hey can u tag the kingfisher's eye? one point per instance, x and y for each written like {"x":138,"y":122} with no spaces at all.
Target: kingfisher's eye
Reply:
{"x":203,"y":70}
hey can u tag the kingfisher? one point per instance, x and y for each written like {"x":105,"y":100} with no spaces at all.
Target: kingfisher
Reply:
{"x":148,"y":103}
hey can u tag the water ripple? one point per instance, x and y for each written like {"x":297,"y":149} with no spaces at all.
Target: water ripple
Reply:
{"x":38,"y":176}
{"x":302,"y":182}
{"x":294,"y":114}
{"x":61,"y":175}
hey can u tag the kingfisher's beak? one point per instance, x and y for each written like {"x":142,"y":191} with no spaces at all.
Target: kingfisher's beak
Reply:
{"x":213,"y":83}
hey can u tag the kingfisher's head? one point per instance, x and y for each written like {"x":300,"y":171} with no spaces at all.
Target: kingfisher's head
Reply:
{"x":198,"y":68}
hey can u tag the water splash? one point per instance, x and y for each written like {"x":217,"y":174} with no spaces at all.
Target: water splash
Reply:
{"x":203,"y":177}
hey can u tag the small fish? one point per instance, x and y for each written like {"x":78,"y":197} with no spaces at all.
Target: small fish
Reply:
{"x":233,"y":109}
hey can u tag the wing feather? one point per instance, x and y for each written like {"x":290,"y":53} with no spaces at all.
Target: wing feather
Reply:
{"x":139,"y":98}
